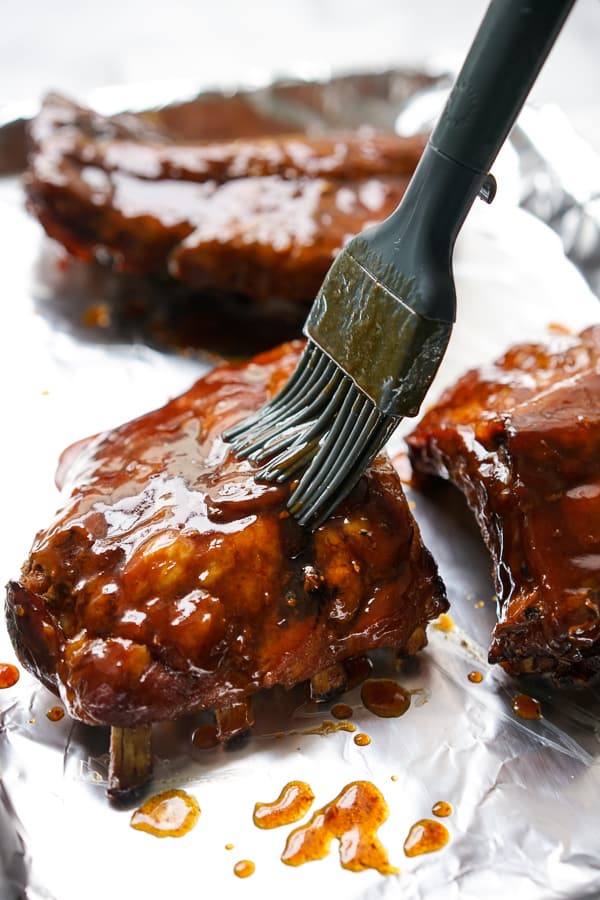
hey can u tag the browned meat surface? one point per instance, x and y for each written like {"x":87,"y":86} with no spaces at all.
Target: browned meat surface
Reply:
{"x":521,"y":439}
{"x":171,"y":581}
{"x":262,"y":217}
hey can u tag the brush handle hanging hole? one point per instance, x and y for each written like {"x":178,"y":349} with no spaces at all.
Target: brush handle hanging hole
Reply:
{"x":488,"y":188}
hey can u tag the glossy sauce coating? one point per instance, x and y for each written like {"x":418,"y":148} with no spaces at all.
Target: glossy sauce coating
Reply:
{"x":521,"y":439}
{"x":205,"y":737}
{"x":353,"y":818}
{"x":441,"y":809}
{"x":426,"y":836}
{"x":9,"y":675}
{"x":526,"y":707}
{"x":358,"y":668}
{"x":170,"y":583}
{"x":244,"y":868}
{"x":293,"y":802}
{"x":385,"y":698}
{"x":168,"y":814}
{"x":164,"y":585}
{"x":263,"y":217}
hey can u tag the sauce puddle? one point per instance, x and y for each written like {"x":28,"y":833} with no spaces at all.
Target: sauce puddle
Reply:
{"x":244,"y":868}
{"x":294,"y":801}
{"x":426,"y":836}
{"x":353,"y":818}
{"x":385,"y":698}
{"x":441,"y":809}
{"x":9,"y":675}
{"x":341,"y":711}
{"x":526,"y":707}
{"x":169,"y":814}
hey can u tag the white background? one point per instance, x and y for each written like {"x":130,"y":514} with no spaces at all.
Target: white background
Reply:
{"x":76,"y":46}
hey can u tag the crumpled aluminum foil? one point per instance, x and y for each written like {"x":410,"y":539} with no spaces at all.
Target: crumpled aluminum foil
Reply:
{"x":525,"y":794}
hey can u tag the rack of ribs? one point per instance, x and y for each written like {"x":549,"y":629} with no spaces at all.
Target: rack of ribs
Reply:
{"x":521,"y":440}
{"x":172,"y":581}
{"x":261,"y":217}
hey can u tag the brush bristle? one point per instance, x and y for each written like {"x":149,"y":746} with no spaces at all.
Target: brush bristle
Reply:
{"x":320,"y":424}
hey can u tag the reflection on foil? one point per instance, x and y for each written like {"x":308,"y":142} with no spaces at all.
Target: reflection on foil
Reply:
{"x":524,"y":793}
{"x":14,"y":862}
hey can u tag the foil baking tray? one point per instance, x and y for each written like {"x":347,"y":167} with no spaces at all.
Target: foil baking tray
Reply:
{"x":525,"y":794}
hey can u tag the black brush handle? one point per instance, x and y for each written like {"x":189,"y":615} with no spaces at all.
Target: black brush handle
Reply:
{"x":512,"y":43}
{"x":417,"y":240}
{"x":385,"y":311}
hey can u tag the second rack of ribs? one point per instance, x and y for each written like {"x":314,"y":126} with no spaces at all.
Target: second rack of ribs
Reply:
{"x":260,"y":217}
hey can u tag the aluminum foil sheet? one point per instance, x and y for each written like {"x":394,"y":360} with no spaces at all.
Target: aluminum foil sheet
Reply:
{"x":525,"y":794}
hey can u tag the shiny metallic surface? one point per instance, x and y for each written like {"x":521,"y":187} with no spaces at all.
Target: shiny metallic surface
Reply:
{"x":525,"y":794}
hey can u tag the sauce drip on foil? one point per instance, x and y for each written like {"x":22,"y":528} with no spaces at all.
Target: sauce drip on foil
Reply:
{"x":526,"y":707}
{"x":169,"y":814}
{"x":444,"y":622}
{"x":353,"y":818}
{"x":426,"y":836}
{"x":475,"y":677}
{"x":293,"y":802}
{"x":327,"y":726}
{"x":55,"y":714}
{"x":9,"y":675}
{"x":384,"y":697}
{"x":341,"y":711}
{"x":361,"y":739}
{"x":244,"y":868}
{"x":441,"y":809}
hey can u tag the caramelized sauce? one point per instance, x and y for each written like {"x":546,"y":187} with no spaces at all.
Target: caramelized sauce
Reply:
{"x":244,"y":868}
{"x":205,"y":737}
{"x":357,"y":670}
{"x":385,"y":698}
{"x":161,"y":509}
{"x":341,"y":711}
{"x":9,"y":675}
{"x":444,"y":622}
{"x":55,"y":714}
{"x":426,"y":836}
{"x":362,"y":739}
{"x":475,"y":677}
{"x":293,"y":802}
{"x":169,"y":814}
{"x":441,"y":809}
{"x":526,"y":707}
{"x":353,"y":818}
